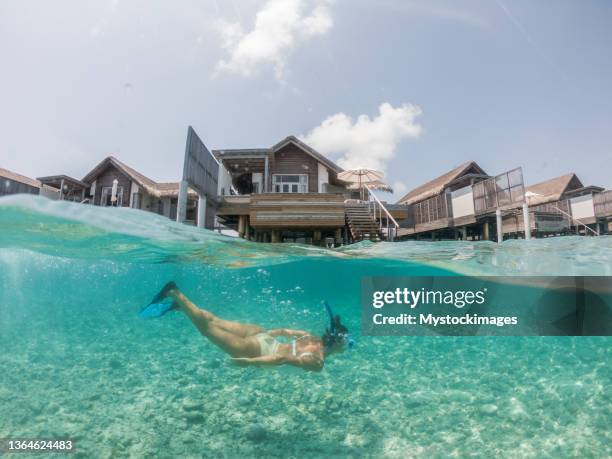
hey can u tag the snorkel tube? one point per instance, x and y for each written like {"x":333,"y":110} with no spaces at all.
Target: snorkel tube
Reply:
{"x":330,"y":313}
{"x":332,"y":327}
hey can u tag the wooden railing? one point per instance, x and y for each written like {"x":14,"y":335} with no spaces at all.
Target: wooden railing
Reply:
{"x":603,"y":204}
{"x":596,"y":233}
{"x":504,"y":191}
{"x":555,"y":207}
{"x":433,"y":209}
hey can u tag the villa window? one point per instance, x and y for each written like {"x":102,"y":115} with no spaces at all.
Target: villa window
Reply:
{"x":296,"y":183}
{"x":136,"y":200}
{"x":105,"y":199}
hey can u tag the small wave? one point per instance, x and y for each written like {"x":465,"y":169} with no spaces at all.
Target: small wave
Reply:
{"x":73,"y":230}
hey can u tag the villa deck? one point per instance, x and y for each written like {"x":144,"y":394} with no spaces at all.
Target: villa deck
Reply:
{"x":274,"y":216}
{"x":295,"y":210}
{"x":279,"y":211}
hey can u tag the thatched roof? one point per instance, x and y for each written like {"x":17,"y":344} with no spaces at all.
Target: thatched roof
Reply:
{"x":551,"y":190}
{"x":5,"y":173}
{"x":437,"y":185}
{"x":172,"y":189}
{"x":153,"y":188}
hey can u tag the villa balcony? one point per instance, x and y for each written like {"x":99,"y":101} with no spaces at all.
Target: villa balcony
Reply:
{"x":286,"y":210}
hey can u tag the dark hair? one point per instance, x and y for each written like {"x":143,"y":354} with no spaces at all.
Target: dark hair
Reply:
{"x":336,"y":336}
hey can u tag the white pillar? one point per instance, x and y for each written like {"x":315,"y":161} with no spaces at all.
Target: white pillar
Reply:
{"x":526,"y":222}
{"x":265,"y":178}
{"x":201,"y":211}
{"x":181,"y":206}
{"x":114,"y":193}
{"x":498,"y":219}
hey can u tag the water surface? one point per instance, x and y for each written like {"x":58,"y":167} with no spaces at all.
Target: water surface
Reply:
{"x":77,"y":361}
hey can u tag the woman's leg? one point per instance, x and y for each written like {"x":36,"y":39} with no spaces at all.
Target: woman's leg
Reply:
{"x":210,"y":326}
{"x":236,"y":328}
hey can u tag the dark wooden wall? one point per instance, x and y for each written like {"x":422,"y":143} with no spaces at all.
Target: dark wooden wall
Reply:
{"x":297,"y":210}
{"x":293,"y":160}
{"x":106,"y":179}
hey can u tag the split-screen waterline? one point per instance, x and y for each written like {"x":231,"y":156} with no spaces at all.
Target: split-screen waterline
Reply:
{"x":305,"y":229}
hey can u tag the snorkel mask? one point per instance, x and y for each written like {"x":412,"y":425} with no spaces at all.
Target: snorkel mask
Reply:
{"x":344,"y":337}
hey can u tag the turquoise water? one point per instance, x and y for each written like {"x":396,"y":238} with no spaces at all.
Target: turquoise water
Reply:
{"x":77,"y":361}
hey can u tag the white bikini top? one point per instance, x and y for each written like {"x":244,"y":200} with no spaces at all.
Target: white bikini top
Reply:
{"x":294,"y":347}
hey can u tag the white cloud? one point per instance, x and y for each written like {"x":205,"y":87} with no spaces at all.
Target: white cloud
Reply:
{"x":280,"y":27}
{"x":366,"y":142}
{"x":399,"y":188}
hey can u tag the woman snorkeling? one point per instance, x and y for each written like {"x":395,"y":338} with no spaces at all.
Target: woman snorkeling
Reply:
{"x":252,"y":345}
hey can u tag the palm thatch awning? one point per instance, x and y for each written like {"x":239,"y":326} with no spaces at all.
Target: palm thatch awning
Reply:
{"x":153,"y":188}
{"x":436,"y":186}
{"x":551,"y":190}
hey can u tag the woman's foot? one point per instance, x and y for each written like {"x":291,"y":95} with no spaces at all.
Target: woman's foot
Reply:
{"x":160,"y":305}
{"x":164,"y":292}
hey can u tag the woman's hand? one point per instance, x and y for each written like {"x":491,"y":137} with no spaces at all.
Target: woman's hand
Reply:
{"x":296,"y":333}
{"x":266,"y":360}
{"x":241,"y":361}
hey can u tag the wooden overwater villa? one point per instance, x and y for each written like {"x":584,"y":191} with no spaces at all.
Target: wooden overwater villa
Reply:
{"x":466,"y":203}
{"x":289,"y":192}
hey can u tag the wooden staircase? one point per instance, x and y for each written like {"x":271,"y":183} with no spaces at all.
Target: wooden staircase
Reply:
{"x":361,"y":222}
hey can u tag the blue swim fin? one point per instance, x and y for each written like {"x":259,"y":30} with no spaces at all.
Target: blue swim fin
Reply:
{"x":154,"y":310}
{"x":160,"y":304}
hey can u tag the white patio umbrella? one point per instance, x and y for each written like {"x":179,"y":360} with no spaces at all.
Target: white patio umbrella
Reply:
{"x":361,"y":176}
{"x":377,"y":185}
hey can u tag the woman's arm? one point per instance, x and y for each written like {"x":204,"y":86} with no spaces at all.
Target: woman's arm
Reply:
{"x":310,"y":362}
{"x":287,"y":332}
{"x":265,"y":360}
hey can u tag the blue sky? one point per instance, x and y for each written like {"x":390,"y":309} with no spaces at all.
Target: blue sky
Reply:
{"x":413,"y":87}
